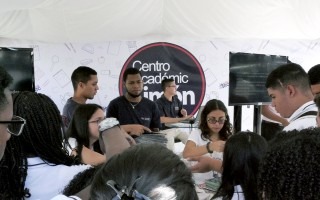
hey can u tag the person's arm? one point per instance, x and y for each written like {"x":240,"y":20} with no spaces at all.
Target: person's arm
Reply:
{"x":91,"y":157}
{"x":183,"y":112}
{"x":265,"y":111}
{"x":206,"y":164}
{"x":166,"y":120}
{"x":192,"y":150}
{"x":112,"y":140}
{"x":135,"y":129}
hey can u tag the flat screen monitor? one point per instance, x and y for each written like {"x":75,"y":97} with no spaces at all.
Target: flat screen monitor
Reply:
{"x":19,"y":64}
{"x":247,"y":76}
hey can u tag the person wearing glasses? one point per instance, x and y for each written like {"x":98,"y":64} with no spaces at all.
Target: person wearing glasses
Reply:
{"x":171,"y":111}
{"x":214,"y":129}
{"x":83,"y":134}
{"x":9,"y":124}
{"x":36,"y":164}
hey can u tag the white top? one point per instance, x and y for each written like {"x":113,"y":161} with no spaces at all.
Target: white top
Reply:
{"x":195,"y":136}
{"x":237,"y":194}
{"x":303,"y":122}
{"x":45,"y":181}
{"x":62,"y":197}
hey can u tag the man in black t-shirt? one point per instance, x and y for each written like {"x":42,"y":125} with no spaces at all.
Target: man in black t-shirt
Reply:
{"x":136,"y":114}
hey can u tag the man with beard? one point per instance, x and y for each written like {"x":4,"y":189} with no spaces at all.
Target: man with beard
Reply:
{"x":85,"y":85}
{"x":136,"y":114}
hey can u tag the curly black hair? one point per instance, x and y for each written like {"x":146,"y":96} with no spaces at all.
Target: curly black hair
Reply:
{"x":290,"y":169}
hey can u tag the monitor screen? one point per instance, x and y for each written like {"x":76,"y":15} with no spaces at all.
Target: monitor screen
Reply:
{"x":247,"y":76}
{"x":19,"y":64}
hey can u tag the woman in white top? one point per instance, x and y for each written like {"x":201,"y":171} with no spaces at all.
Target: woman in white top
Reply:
{"x":243,"y":153}
{"x":214,"y":129}
{"x":83,"y":134}
{"x":36,"y":164}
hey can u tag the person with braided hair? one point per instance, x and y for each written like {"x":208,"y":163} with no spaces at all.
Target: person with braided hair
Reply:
{"x":290,"y":168}
{"x":36,"y":164}
{"x":38,"y":156}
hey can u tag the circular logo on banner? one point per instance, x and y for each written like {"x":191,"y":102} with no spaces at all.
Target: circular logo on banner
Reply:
{"x":161,"y":60}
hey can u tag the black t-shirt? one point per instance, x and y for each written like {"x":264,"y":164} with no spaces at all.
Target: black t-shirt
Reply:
{"x":169,"y":108}
{"x":145,"y":112}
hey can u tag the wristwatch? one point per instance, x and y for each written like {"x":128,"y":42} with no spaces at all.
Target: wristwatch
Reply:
{"x":208,"y":148}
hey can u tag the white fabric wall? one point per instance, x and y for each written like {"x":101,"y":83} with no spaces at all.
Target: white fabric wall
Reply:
{"x":54,"y":63}
{"x":101,"y":20}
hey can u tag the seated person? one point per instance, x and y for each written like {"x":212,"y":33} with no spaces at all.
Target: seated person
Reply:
{"x":38,"y":157}
{"x":214,"y":129}
{"x":136,"y":114}
{"x":290,"y":168}
{"x":171,"y":111}
{"x":83,"y":134}
{"x":134,"y":173}
{"x":242,"y":155}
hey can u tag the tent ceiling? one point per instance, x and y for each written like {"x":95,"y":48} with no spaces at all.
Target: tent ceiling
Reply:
{"x":101,"y":20}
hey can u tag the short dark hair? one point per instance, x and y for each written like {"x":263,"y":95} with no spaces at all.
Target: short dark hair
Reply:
{"x":81,"y":74}
{"x":5,"y":81}
{"x":137,"y":165}
{"x":314,"y":74}
{"x":290,"y":168}
{"x":130,"y":71}
{"x":166,"y":82}
{"x":242,"y":155}
{"x":286,"y":74}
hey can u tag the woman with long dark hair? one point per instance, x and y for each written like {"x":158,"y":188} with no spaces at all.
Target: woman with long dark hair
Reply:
{"x":214,"y":129}
{"x":243,"y":153}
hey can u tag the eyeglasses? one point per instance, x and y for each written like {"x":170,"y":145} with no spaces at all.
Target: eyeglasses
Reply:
{"x":214,"y":120}
{"x":97,"y":121}
{"x":15,"y":126}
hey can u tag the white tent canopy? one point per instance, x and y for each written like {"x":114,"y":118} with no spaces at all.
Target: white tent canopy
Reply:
{"x":101,"y":20}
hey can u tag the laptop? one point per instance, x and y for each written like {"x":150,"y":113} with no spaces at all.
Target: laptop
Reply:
{"x":189,"y":122}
